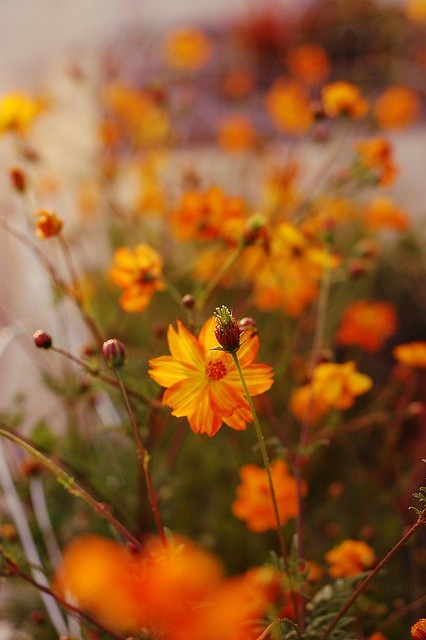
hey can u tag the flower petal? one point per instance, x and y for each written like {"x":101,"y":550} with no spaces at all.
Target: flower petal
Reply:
{"x":185,"y":347}
{"x":204,"y":420}
{"x":259,"y":378}
{"x":183,"y":396}
{"x":225,"y":398}
{"x":167,"y":371}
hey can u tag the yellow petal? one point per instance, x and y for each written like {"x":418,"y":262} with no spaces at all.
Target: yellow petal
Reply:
{"x":185,"y":347}
{"x":165,"y":370}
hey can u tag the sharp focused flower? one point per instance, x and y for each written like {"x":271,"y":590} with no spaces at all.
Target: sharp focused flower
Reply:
{"x":411,"y":354}
{"x":396,"y":107}
{"x":254,"y":502}
{"x":343,"y":99}
{"x":203,"y":384}
{"x":349,"y":558}
{"x":368,"y":324}
{"x":418,"y":630}
{"x":139,"y":273}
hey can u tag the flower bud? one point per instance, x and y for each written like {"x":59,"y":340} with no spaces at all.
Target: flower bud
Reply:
{"x":114,"y":353}
{"x":418,"y":630}
{"x":18,"y":179}
{"x":247,"y":324}
{"x":188,"y":301}
{"x":226,"y":330}
{"x":48,"y":224}
{"x":42,"y":340}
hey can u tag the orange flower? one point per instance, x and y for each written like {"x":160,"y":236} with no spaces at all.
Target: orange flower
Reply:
{"x":375,"y":156}
{"x":309,"y":63}
{"x":411,"y":354}
{"x":418,"y":630}
{"x":203,"y":384}
{"x":367,"y":323}
{"x":397,"y":106}
{"x":48,"y":224}
{"x":208,"y":215}
{"x":333,"y":386}
{"x":254,"y":502}
{"x":138,"y":272}
{"x":187,"y":48}
{"x":237,"y":83}
{"x":236,"y":133}
{"x":383,"y":213}
{"x":176,"y":593}
{"x":349,"y":558}
{"x":343,"y":99}
{"x":17,"y":112}
{"x":289,"y":106}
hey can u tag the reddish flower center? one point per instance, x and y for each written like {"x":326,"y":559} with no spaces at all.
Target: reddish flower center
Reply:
{"x":215,"y":369}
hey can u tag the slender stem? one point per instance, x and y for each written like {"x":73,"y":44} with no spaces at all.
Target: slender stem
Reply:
{"x":274,"y":624}
{"x":264,"y":452}
{"x":421,"y":520}
{"x":16,"y":572}
{"x":98,"y":374}
{"x":144,"y":460}
{"x":217,"y":277}
{"x":72,"y":486}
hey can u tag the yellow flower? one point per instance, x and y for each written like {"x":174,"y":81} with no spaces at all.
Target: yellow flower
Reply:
{"x":254,"y":502}
{"x":289,"y":106}
{"x":343,"y":99}
{"x":17,"y":112}
{"x":416,"y":10}
{"x":187,"y":48}
{"x":349,"y":558}
{"x":396,"y":107}
{"x":139,"y":273}
{"x":411,"y":354}
{"x":203,"y":385}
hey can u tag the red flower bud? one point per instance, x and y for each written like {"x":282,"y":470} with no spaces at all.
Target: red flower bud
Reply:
{"x":226,"y":330}
{"x":42,"y":340}
{"x":114,"y":353}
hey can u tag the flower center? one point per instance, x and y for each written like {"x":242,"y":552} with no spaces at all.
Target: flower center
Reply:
{"x":215,"y":369}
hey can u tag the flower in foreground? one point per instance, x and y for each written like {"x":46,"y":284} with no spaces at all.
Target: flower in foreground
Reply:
{"x":139,"y":273}
{"x":254,"y":504}
{"x":418,"y":630}
{"x":175,"y":593}
{"x":349,"y":558}
{"x":203,"y":384}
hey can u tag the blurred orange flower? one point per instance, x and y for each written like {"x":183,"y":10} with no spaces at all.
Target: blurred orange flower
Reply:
{"x":368,"y":324}
{"x":289,"y":106}
{"x":397,"y":106}
{"x":333,"y":386}
{"x":178,"y":592}
{"x":187,"y":48}
{"x":343,"y":99}
{"x":382,"y":213}
{"x":139,"y":273}
{"x":418,"y":630}
{"x":254,"y":502}
{"x":236,"y":133}
{"x":208,"y":215}
{"x":375,"y":155}
{"x":411,"y":354}
{"x":203,"y":384}
{"x":17,"y":112}
{"x":309,"y":63}
{"x":349,"y":558}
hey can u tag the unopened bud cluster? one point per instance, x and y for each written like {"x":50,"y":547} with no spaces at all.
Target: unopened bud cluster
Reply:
{"x":227,"y":330}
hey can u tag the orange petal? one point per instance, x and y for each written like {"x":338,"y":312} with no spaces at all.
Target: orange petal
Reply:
{"x":184,"y":396}
{"x":167,"y":371}
{"x":185,"y":347}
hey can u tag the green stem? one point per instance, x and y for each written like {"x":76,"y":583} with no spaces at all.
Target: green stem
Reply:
{"x":266,"y":463}
{"x":421,"y":520}
{"x":274,"y":624}
{"x":72,"y":486}
{"x":144,"y":460}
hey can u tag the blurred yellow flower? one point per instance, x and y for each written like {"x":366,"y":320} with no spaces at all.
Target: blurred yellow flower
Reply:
{"x":254,"y":501}
{"x":411,"y":354}
{"x":289,"y":106}
{"x":309,"y":63}
{"x":139,"y":273}
{"x":236,"y":133}
{"x":343,"y":99}
{"x":17,"y":112}
{"x":349,"y":558}
{"x":396,"y":107}
{"x":416,"y":10}
{"x":187,"y":48}
{"x":203,"y":384}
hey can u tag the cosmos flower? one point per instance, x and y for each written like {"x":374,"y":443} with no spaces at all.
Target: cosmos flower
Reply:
{"x":202,"y":383}
{"x":368,"y":324}
{"x":349,"y":558}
